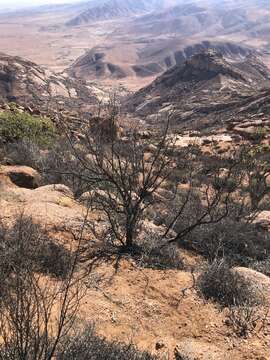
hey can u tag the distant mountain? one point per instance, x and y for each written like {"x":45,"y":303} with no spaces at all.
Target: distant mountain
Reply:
{"x":159,"y":34}
{"x":114,"y":8}
{"x":130,"y":42}
{"x":152,"y":60}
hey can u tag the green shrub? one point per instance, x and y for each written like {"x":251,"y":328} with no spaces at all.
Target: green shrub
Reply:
{"x":15,"y":126}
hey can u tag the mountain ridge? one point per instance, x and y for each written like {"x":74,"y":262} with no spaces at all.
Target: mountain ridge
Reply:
{"x":204,"y":90}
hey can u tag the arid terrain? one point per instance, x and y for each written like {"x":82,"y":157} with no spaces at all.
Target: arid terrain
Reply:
{"x":132,"y":44}
{"x":135,"y":181}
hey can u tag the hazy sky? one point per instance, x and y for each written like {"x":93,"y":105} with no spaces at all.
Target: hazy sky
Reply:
{"x":22,"y":3}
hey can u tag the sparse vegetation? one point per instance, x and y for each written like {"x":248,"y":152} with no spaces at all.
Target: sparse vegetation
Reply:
{"x":259,"y":134}
{"x":238,"y":242}
{"x":245,"y":318}
{"x":26,"y":245}
{"x":262,"y":266}
{"x":152,"y":253}
{"x":87,"y":345}
{"x":22,"y":152}
{"x":225,"y":286}
{"x":37,"y":312}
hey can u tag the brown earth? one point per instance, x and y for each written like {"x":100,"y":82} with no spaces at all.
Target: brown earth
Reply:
{"x":157,"y":310}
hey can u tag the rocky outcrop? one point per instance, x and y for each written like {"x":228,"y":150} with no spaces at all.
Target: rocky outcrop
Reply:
{"x":197,"y":350}
{"x":26,"y":83}
{"x":202,"y":66}
{"x":50,"y":205}
{"x":22,"y":176}
{"x":209,"y":90}
{"x":260,"y":281}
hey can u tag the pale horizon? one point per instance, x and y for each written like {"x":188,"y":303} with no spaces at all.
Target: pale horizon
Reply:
{"x":17,"y":4}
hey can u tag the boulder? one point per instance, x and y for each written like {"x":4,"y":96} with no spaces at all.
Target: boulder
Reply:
{"x":53,"y":205}
{"x":59,"y":188}
{"x":22,"y":176}
{"x":192,"y":349}
{"x":257,"y":279}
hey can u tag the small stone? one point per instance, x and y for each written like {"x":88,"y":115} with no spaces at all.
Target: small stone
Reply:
{"x":160,"y":345}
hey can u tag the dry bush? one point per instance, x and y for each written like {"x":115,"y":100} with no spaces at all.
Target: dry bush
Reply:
{"x":55,"y":164}
{"x":25,"y":244}
{"x":204,"y":198}
{"x":59,"y":166}
{"x":88,"y":345}
{"x":239,"y":243}
{"x":221,"y":284}
{"x":262,"y":266}
{"x":121,"y":175}
{"x":152,"y":253}
{"x":245,"y":319}
{"x":36,"y":311}
{"x":35,"y":315}
{"x":22,"y":152}
{"x":216,"y":218}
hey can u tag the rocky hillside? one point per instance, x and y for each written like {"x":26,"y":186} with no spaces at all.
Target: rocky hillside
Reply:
{"x":25,"y":82}
{"x":207,"y":87}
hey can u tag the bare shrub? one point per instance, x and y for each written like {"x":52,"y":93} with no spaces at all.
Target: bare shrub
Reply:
{"x":53,"y":259}
{"x":88,"y":345}
{"x":228,"y":288}
{"x":56,"y":164}
{"x":240,"y":243}
{"x":256,"y":163}
{"x":244,"y":319}
{"x":206,"y":198}
{"x":59,"y":166}
{"x":222,"y":194}
{"x":262,"y":266}
{"x":214,"y":213}
{"x":23,"y":152}
{"x":25,"y":244}
{"x":122,"y":175}
{"x":37,"y":312}
{"x":153,"y":253}
{"x":34,"y":315}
